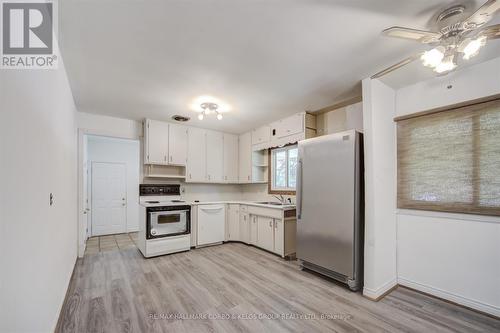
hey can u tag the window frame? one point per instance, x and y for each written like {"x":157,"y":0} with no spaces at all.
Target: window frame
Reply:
{"x":271,"y":189}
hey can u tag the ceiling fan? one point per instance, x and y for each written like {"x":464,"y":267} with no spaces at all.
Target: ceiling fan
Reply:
{"x":456,"y":40}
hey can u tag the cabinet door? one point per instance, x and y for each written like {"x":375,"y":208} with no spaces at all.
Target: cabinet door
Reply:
{"x":261,"y":135}
{"x":177,"y":144}
{"x":196,"y":162}
{"x":215,"y":157}
{"x":245,"y":158}
{"x":233,"y":225}
{"x":244,"y":227}
{"x":279,"y":237}
{"x":253,"y":230}
{"x":290,"y":125}
{"x":265,"y":238}
{"x":157,"y":142}
{"x":230,"y":158}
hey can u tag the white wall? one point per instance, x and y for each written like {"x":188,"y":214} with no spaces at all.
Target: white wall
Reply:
{"x":111,"y":150}
{"x":380,"y":188}
{"x":454,"y":256}
{"x":109,"y":126}
{"x":38,"y":156}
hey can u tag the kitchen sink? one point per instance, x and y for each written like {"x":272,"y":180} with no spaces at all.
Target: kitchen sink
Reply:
{"x":270,"y":203}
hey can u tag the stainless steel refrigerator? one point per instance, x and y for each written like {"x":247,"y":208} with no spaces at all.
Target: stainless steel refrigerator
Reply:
{"x":330,"y":202}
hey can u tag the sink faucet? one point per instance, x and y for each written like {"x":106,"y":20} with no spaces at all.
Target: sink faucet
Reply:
{"x":281,"y":199}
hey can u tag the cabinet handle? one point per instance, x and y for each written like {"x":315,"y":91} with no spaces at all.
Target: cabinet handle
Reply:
{"x":189,"y":176}
{"x":165,"y":158}
{"x":171,"y":159}
{"x":275,"y":225}
{"x":270,"y":224}
{"x":248,"y":177}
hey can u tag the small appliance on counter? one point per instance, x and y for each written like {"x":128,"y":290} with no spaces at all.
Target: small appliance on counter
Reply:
{"x":165,"y":220}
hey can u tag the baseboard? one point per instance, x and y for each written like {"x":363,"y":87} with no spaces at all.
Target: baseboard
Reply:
{"x":377,"y":294}
{"x":68,"y":282}
{"x":454,"y":298}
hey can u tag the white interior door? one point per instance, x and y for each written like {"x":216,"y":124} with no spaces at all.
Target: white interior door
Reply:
{"x":109,"y":198}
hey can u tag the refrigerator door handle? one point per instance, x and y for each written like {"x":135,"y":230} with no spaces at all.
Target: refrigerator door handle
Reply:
{"x":299,"y":190}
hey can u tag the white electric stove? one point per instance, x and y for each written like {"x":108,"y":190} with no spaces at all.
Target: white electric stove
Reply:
{"x":165,"y":220}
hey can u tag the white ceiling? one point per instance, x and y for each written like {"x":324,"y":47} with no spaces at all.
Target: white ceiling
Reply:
{"x":266,"y":58}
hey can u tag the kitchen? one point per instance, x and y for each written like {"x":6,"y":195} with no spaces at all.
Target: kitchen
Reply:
{"x":250,"y":166}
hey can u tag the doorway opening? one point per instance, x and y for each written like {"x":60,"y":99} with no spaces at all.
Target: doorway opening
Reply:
{"x":111,"y":177}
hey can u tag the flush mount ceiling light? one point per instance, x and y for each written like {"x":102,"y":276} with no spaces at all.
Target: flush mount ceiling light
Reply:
{"x":209,"y":108}
{"x":206,"y":105}
{"x":457,"y":38}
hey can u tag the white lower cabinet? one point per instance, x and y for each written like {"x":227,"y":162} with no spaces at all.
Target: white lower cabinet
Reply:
{"x":253,"y":230}
{"x":279,"y":237}
{"x":233,"y":222}
{"x":265,"y":233}
{"x":244,"y":225}
{"x":273,"y":230}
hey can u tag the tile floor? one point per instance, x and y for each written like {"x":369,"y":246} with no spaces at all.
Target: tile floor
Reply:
{"x":110,"y":243}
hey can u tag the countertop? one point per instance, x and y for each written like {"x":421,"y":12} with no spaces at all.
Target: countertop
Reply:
{"x":248,"y":203}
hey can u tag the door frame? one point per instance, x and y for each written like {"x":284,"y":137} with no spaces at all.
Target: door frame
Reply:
{"x":90,"y":195}
{"x":81,"y":214}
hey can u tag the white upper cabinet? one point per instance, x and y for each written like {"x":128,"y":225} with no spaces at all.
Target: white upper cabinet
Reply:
{"x":215,"y":156}
{"x":156,"y":142}
{"x":177,"y":144}
{"x":288,"y":126}
{"x":230,"y":158}
{"x":197,"y":155}
{"x":245,"y":158}
{"x":261,"y":135}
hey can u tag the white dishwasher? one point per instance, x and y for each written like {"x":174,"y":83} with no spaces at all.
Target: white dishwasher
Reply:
{"x":211,"y":223}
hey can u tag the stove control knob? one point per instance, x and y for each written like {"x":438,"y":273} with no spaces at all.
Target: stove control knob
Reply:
{"x":153,"y":232}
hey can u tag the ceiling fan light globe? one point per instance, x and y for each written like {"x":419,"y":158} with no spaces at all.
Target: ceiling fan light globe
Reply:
{"x":446,"y":65}
{"x":432,"y":58}
{"x":472,"y":48}
{"x":200,"y":116}
{"x":219,"y":116}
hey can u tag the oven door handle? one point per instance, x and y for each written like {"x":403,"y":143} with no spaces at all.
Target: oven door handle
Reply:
{"x":168,"y":212}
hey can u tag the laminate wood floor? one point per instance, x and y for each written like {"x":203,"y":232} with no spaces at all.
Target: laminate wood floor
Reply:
{"x":239,"y":288}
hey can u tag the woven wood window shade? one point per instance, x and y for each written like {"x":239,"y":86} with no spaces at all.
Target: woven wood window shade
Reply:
{"x":449,"y":161}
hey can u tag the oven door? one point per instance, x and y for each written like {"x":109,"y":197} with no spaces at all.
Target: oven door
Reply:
{"x":168,"y":223}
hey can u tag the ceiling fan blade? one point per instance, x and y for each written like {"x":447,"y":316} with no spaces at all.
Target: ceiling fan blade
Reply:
{"x":398,"y":65}
{"x":413,"y":34}
{"x":491,"y":32}
{"x":482,"y":15}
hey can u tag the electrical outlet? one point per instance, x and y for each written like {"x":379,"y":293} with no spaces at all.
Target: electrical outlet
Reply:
{"x":51,"y":199}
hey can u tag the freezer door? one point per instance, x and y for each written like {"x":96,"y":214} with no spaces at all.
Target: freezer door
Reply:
{"x":326,"y":200}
